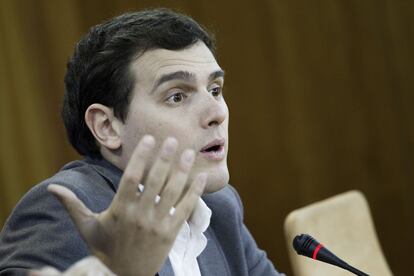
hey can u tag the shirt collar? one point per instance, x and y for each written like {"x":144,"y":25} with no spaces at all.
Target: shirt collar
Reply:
{"x":107,"y":170}
{"x":200,"y":219}
{"x":190,"y":242}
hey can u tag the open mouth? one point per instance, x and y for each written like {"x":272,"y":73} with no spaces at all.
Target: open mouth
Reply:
{"x":213,"y":148}
{"x":214,"y":151}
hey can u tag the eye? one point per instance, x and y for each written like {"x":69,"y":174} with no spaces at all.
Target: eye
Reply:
{"x":176,"y":98}
{"x":216,"y":91}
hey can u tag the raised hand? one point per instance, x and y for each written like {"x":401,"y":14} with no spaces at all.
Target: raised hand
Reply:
{"x":135,"y":234}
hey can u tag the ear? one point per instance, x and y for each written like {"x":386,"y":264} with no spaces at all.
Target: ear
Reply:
{"x":104,"y":126}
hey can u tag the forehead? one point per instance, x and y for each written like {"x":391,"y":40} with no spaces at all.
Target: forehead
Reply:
{"x":196,"y":59}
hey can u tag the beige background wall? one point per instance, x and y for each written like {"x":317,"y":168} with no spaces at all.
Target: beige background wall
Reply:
{"x":320,"y":93}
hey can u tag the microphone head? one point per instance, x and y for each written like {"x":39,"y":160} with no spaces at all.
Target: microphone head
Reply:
{"x":304,"y":245}
{"x":307,"y":246}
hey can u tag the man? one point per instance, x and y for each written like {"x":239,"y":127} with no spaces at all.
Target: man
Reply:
{"x":144,"y":104}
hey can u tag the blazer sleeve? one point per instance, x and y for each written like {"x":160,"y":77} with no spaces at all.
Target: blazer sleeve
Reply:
{"x":38,"y":233}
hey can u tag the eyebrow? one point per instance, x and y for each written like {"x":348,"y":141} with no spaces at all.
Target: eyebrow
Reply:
{"x":186,"y":76}
{"x":215,"y":75}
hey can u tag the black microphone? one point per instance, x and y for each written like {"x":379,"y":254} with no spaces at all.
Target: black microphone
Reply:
{"x":307,"y":246}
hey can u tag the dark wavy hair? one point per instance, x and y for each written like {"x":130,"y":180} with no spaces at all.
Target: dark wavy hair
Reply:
{"x":99,"y":70}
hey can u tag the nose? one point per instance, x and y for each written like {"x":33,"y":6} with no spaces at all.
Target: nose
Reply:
{"x":214,"y":112}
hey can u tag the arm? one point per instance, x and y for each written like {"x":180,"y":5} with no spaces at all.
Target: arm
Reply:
{"x":39,"y":232}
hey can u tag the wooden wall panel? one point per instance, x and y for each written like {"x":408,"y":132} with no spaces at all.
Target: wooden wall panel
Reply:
{"x":320,"y":94}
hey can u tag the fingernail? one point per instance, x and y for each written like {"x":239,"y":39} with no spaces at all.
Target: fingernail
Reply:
{"x":187,"y":157}
{"x":170,"y":145}
{"x":148,"y":141}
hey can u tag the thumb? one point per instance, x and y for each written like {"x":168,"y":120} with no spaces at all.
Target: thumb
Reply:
{"x":79,"y":213}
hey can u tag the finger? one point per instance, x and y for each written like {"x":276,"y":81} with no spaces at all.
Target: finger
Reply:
{"x":135,"y":169}
{"x":79,"y":213}
{"x":187,"y":204}
{"x":173,"y":190}
{"x":46,"y":271}
{"x":159,"y":171}
{"x":88,"y":266}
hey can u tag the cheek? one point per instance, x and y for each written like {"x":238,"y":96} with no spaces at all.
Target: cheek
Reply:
{"x":162,"y":125}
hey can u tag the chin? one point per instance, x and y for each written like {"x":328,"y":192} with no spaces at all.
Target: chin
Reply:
{"x":216,"y":180}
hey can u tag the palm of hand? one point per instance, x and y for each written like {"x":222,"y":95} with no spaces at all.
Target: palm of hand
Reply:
{"x":135,"y":234}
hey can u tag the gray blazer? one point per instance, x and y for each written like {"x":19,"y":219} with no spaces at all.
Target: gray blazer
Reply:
{"x":39,"y":231}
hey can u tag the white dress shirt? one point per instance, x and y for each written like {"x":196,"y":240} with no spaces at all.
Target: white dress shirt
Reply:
{"x":190,"y":242}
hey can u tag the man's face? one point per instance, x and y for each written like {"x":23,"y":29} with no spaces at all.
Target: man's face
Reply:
{"x":178,"y":94}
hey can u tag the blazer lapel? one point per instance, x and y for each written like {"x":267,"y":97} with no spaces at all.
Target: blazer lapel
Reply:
{"x":166,"y":269}
{"x":212,"y":260}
